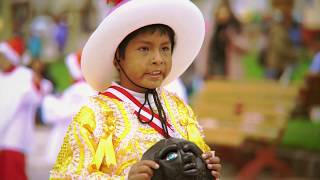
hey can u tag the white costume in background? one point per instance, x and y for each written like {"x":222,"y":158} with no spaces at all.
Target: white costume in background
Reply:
{"x":20,"y":96}
{"x":19,"y":100}
{"x":59,"y":111}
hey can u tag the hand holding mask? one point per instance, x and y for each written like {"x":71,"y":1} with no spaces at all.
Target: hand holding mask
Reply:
{"x":179,"y":159}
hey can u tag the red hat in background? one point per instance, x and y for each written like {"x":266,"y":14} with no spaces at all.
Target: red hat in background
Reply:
{"x":73,"y":62}
{"x":13,"y":49}
{"x":115,"y":2}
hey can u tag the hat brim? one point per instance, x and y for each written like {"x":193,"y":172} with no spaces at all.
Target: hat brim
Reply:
{"x":181,"y":15}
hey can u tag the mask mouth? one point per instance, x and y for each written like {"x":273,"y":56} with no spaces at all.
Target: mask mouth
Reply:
{"x":190,"y":166}
{"x":190,"y":169}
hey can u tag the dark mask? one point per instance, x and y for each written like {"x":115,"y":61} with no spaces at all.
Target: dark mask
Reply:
{"x":179,"y":159}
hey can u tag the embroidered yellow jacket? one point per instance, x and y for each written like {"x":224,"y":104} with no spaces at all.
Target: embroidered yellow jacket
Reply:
{"x":105,"y":138}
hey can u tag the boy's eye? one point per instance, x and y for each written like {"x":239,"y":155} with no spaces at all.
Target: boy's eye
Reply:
{"x":166,"y":49}
{"x":143,"y":49}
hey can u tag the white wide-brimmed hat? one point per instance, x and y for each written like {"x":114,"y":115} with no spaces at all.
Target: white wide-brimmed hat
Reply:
{"x":181,"y":15}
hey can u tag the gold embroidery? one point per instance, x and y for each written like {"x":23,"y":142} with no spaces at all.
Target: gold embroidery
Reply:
{"x":125,"y":165}
{"x":171,"y":114}
{"x":86,"y":118}
{"x":188,"y":121}
{"x":64,"y":157}
{"x":128,"y":156}
{"x":87,"y":122}
{"x":105,"y":150}
{"x":147,"y":131}
{"x":81,"y":149}
{"x":127,"y":123}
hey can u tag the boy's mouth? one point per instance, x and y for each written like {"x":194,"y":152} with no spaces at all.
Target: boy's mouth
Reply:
{"x":155,"y":74}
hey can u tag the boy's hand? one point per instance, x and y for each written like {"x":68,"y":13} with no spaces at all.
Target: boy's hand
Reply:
{"x":213,"y":163}
{"x":142,"y":170}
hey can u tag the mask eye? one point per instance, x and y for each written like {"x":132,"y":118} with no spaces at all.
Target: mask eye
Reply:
{"x":171,"y":156}
{"x":169,"y":153}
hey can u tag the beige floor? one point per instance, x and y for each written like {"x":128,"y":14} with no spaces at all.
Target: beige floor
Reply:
{"x":37,"y":168}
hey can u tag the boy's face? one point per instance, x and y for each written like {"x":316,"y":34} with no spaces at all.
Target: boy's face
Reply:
{"x":147,"y":61}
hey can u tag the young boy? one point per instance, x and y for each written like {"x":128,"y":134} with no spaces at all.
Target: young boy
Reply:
{"x":147,"y":45}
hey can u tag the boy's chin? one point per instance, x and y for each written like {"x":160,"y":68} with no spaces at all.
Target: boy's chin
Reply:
{"x":153,"y":85}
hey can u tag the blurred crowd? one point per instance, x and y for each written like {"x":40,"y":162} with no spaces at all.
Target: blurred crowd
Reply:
{"x":281,"y":35}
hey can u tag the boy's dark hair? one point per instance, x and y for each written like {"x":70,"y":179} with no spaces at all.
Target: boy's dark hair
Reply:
{"x":163,"y":29}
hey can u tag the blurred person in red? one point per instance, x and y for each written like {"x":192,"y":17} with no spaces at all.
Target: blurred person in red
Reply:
{"x":59,"y":110}
{"x":21,"y":94}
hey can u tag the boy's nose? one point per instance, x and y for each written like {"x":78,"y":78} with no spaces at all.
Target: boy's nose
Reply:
{"x":157,"y":58}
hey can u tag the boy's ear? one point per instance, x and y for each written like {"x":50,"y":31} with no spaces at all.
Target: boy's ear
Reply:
{"x":117,"y":56}
{"x":116,"y":63}
{"x":116,"y":60}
